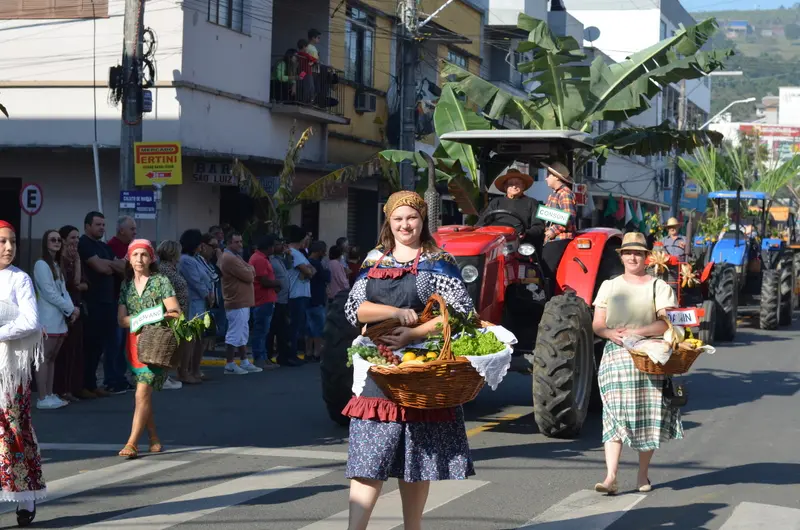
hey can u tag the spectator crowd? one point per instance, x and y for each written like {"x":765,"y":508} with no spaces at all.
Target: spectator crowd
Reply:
{"x":271,"y":298}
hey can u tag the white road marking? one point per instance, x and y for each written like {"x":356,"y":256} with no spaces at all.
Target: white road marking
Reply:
{"x":584,"y":510}
{"x":755,"y":516}
{"x":99,"y":478}
{"x":204,"y":502}
{"x":388,"y":512}
{"x":337,"y":456}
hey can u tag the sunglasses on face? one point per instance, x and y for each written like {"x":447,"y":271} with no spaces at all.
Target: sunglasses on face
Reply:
{"x":54,"y":240}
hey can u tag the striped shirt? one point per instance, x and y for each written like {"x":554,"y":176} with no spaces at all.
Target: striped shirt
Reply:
{"x":562,"y":199}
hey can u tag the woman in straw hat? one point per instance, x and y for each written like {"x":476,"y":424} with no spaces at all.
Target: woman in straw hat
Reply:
{"x":387,"y":440}
{"x":674,"y":243}
{"x":21,"y":350}
{"x":514,"y":183}
{"x":633,"y":409}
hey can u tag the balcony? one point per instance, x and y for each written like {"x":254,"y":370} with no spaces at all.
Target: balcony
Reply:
{"x":305,"y":91}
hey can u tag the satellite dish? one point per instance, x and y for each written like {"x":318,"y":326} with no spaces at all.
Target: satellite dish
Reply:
{"x":592,"y":33}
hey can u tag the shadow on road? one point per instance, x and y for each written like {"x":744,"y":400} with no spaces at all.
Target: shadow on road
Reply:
{"x":769,"y":473}
{"x":714,"y":388}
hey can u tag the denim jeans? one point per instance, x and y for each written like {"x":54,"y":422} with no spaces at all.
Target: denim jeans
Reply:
{"x":298,"y":307}
{"x":262,"y":318}
{"x":279,"y":333}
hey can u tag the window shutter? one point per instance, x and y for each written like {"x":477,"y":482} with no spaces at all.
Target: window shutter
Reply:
{"x":10,"y":9}
{"x":53,"y":9}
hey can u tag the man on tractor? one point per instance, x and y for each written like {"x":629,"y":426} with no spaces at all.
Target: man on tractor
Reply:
{"x":674,"y":243}
{"x":514,"y":208}
{"x":557,"y":237}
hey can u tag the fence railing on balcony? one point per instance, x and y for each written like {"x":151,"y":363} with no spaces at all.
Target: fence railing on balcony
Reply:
{"x":300,"y":82}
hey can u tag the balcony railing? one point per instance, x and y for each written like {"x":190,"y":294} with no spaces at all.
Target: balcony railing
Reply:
{"x":308,"y":89}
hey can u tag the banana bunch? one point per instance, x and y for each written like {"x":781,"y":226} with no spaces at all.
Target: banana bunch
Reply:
{"x":688,"y":276}
{"x":693,"y":343}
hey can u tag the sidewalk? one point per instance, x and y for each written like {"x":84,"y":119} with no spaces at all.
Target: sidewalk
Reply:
{"x":216,"y":357}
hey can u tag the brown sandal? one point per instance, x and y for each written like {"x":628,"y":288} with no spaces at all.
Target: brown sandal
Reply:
{"x":155,"y":445}
{"x":129,"y":451}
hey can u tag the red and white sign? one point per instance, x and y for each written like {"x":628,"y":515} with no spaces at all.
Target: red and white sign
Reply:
{"x":31,"y":199}
{"x":580,"y":194}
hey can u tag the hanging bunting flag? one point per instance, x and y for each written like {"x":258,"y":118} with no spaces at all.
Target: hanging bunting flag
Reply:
{"x":620,"y":215}
{"x":628,"y":214}
{"x":611,"y":206}
{"x":588,"y":208}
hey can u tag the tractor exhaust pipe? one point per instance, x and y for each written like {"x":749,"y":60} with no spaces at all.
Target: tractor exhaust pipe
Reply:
{"x":432,"y":196}
{"x":738,"y":212}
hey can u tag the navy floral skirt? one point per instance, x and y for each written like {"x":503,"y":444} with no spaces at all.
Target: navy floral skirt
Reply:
{"x":410,"y":451}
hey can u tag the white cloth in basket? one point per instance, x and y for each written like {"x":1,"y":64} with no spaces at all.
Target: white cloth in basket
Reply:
{"x":493,"y":368}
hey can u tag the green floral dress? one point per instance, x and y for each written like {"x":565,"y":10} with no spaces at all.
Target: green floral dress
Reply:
{"x":157,"y":288}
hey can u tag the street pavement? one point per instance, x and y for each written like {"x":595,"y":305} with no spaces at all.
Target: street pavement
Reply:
{"x":259,"y":452}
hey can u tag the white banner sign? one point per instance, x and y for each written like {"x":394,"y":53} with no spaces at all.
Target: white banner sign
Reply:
{"x":686,"y":317}
{"x":148,"y":316}
{"x":552,"y":215}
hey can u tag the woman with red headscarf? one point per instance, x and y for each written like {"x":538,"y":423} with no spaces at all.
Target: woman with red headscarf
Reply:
{"x":143,"y":289}
{"x":21,"y":479}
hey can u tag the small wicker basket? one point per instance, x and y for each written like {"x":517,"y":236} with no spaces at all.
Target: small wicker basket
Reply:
{"x":158,"y":347}
{"x":446,"y":382}
{"x":679,"y":362}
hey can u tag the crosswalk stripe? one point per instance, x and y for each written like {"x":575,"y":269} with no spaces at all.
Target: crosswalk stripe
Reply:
{"x":206,"y":501}
{"x":584,"y":510}
{"x":755,"y":516}
{"x":388,"y":512}
{"x":98,"y":478}
{"x":313,"y":454}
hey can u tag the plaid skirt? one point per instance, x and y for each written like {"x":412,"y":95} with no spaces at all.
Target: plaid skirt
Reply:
{"x":633,"y":409}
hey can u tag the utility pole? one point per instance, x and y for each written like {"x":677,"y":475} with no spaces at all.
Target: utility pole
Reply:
{"x":408,"y":94}
{"x":132,"y":91}
{"x":677,"y":187}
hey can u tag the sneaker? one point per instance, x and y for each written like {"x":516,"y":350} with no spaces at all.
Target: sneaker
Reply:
{"x":269,"y":365}
{"x":86,"y":394}
{"x":101,"y":392}
{"x":250,"y":367}
{"x":234,"y":369}
{"x":48,"y":404}
{"x":171,"y":384}
{"x":57,"y":399}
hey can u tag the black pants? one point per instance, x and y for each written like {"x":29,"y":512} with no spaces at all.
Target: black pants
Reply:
{"x":279,"y":332}
{"x":101,"y":335}
{"x":552,"y":253}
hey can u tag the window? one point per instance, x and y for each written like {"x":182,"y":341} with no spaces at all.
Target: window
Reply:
{"x":457,"y":59}
{"x":359,"y":44}
{"x":663,"y":30}
{"x":227,"y":13}
{"x":53,"y":9}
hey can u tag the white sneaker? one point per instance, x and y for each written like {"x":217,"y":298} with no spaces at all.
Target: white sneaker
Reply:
{"x":250,"y":367}
{"x":57,"y":399}
{"x":234,"y":369}
{"x":48,"y":404}
{"x":171,"y":384}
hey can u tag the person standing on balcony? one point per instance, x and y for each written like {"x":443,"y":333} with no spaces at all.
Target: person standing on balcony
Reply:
{"x":284,"y":77}
{"x":314,"y":38}
{"x":306,"y":67}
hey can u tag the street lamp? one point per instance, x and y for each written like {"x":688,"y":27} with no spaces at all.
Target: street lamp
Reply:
{"x":731,"y":104}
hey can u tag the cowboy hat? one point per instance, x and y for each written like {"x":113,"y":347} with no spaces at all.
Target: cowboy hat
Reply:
{"x":672,"y":222}
{"x":634,"y":241}
{"x":558,"y":170}
{"x":500,"y":182}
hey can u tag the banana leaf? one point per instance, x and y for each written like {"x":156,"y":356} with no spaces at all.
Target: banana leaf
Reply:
{"x":323,"y":186}
{"x":648,"y":141}
{"x":451,"y":116}
{"x":3,"y":110}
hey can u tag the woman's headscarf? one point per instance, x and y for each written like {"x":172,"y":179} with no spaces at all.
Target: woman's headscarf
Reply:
{"x":6,"y":224}
{"x":141,"y":243}
{"x":405,"y":198}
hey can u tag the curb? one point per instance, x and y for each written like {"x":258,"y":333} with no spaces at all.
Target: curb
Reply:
{"x":218,"y":361}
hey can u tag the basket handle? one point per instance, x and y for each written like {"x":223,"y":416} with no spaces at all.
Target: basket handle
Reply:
{"x":446,"y":353}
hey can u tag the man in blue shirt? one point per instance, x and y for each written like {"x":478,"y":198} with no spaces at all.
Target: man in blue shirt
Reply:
{"x":674,"y":243}
{"x":299,"y":273}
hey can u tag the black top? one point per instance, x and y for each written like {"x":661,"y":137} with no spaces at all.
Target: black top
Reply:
{"x":526,"y":207}
{"x":319,"y":283}
{"x":101,"y":286}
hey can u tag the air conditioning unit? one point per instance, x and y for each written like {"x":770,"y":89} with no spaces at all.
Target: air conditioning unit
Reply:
{"x":366,"y":102}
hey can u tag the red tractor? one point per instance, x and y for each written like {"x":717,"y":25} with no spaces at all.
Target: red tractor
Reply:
{"x":551,"y":317}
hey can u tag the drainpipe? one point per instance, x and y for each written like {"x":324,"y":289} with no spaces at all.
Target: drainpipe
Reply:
{"x":432,"y":196}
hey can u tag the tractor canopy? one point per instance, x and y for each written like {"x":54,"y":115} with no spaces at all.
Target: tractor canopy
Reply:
{"x":744,"y":195}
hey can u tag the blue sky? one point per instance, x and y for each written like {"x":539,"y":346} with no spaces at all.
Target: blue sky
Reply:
{"x":715,"y":5}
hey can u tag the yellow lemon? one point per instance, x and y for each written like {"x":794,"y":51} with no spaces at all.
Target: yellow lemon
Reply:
{"x":432,"y":355}
{"x":420,"y":357}
{"x":409,"y":356}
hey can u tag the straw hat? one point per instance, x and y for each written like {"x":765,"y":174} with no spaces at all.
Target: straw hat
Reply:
{"x":672,"y":222}
{"x":557,"y":169}
{"x":634,"y":241}
{"x":500,"y":182}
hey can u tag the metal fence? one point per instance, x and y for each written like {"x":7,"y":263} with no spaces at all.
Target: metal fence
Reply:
{"x":301,"y":83}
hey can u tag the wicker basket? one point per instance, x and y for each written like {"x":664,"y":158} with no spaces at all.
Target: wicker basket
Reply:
{"x":446,"y":382}
{"x":679,"y":362}
{"x":158,"y":347}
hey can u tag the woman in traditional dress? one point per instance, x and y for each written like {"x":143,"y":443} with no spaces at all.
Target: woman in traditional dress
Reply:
{"x":55,"y":310}
{"x":20,"y":349}
{"x":634,"y":412}
{"x":142,"y":289}
{"x":387,"y":440}
{"x":68,"y":382}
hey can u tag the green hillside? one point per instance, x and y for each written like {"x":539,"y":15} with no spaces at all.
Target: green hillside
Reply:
{"x":768,"y":62}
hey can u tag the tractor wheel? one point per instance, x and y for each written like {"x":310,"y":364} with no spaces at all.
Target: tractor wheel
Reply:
{"x":563,"y":368}
{"x":337,"y":378}
{"x":725,"y":294}
{"x":707,"y":324}
{"x":787,"y":292}
{"x":796,"y":267}
{"x":770,"y":299}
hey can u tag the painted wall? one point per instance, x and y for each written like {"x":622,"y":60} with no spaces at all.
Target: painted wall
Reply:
{"x":332,"y":220}
{"x":506,"y":12}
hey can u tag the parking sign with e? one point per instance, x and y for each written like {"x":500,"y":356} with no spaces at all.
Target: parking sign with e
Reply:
{"x":31,"y":198}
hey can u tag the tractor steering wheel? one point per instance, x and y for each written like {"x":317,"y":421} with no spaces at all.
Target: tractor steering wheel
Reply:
{"x":486,"y":216}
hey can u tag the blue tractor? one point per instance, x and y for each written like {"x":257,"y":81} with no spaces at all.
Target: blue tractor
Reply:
{"x":754,"y":274}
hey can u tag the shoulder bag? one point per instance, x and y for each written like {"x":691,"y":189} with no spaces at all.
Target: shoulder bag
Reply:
{"x":673,"y":396}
